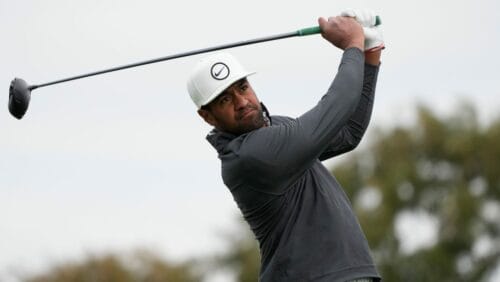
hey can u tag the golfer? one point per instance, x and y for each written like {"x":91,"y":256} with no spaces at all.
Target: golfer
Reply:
{"x":300,"y":215}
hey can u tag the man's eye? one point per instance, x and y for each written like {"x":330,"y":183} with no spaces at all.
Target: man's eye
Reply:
{"x":243,"y":87}
{"x":224,"y":100}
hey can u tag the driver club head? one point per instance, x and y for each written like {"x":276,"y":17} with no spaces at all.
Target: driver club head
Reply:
{"x":19,"y":97}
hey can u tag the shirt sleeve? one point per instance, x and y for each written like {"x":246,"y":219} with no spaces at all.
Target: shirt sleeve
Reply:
{"x":274,"y":157}
{"x":350,"y":135}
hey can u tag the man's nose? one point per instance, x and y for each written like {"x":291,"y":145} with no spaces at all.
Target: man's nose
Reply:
{"x":239,"y":101}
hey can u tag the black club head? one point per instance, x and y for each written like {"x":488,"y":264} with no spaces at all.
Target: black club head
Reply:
{"x":19,"y":97}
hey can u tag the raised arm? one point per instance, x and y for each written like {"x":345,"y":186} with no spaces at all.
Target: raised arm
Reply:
{"x":350,"y":135}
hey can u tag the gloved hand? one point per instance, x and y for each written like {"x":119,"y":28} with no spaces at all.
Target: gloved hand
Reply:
{"x":374,"y":40}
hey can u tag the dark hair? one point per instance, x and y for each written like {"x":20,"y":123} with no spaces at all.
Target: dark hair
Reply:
{"x":205,"y":107}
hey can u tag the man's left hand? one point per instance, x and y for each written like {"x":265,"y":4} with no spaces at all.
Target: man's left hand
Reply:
{"x":374,"y":40}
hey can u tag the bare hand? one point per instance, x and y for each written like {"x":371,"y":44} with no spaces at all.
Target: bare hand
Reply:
{"x":343,"y":32}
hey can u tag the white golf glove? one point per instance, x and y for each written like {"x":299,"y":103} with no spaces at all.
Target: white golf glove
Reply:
{"x":374,"y":40}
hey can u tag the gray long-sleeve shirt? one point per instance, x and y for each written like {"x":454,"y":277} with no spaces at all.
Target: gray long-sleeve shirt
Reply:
{"x":298,"y":212}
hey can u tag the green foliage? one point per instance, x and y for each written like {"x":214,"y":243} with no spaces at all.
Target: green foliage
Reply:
{"x":143,"y":266}
{"x":243,"y":256}
{"x":447,"y":167}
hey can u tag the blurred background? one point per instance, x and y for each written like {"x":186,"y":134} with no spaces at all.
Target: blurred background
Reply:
{"x":110,"y":178}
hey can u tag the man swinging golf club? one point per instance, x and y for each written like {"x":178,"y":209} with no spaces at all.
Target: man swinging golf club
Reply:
{"x":298,"y":212}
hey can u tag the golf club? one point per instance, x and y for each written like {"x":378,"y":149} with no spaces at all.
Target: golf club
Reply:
{"x":20,"y":90}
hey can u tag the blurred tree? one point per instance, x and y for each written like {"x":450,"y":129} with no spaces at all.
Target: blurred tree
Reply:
{"x":242,"y":257}
{"x":142,"y":266}
{"x":445,"y":169}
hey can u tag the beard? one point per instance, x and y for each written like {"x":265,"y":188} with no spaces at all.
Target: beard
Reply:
{"x":247,"y":119}
{"x":253,"y":122}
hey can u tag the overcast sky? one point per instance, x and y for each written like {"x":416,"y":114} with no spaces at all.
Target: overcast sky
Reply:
{"x":119,"y":161}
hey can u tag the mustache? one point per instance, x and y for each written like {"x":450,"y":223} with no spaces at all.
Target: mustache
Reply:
{"x":241,"y":112}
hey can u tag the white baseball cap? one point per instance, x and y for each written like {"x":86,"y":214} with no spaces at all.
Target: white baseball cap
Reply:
{"x":212,"y":75}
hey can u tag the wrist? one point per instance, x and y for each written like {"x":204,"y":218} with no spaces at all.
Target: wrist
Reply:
{"x":373,"y":57}
{"x":360,"y":44}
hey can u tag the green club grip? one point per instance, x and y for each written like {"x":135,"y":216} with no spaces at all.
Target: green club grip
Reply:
{"x":317,"y":29}
{"x":309,"y":31}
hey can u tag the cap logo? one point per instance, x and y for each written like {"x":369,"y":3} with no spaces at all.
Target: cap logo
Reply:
{"x":219,"y":71}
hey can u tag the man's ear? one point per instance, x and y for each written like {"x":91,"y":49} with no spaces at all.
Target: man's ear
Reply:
{"x":207,"y":116}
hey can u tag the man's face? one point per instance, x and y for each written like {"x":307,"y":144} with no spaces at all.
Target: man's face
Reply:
{"x":237,"y":110}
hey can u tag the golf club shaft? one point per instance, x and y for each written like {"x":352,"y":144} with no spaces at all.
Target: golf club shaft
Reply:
{"x":301,"y":32}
